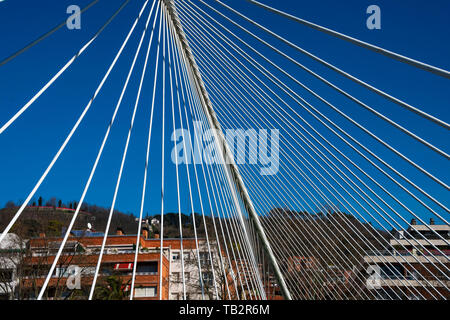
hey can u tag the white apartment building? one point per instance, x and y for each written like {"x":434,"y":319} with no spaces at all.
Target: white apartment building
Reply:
{"x":191,"y":259}
{"x":10,"y":257}
{"x":416,"y":265}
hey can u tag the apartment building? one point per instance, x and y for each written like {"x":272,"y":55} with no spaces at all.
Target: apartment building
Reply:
{"x":191,"y":263}
{"x":247,"y":279}
{"x":416,"y":264}
{"x":82,"y":251}
{"x":299,"y":263}
{"x":11,"y":250}
{"x":326,"y":278}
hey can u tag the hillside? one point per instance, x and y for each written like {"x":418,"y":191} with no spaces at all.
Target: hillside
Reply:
{"x":51,"y":220}
{"x":304,"y":228}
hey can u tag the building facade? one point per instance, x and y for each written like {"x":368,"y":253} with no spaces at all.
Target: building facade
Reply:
{"x":11,"y":250}
{"x":81,"y":253}
{"x":415,"y":267}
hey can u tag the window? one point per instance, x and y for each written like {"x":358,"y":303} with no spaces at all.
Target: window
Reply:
{"x":89,"y":270}
{"x":207,"y":278}
{"x":51,"y":292}
{"x":392,"y":271}
{"x":178,"y":276}
{"x":4,"y":296}
{"x":61,"y":272}
{"x":204,"y":258}
{"x":145,"y":292}
{"x":186,"y":255}
{"x":147,"y":267}
{"x":71,"y":247}
{"x":175,"y":256}
{"x":6,"y":275}
{"x":107,"y":269}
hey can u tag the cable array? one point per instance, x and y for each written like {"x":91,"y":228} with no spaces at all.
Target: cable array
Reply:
{"x":305,"y":216}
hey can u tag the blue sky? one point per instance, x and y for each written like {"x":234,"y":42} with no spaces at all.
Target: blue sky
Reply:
{"x":416,"y":29}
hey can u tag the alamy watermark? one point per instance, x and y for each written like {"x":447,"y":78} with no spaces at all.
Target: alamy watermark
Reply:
{"x":74,"y":20}
{"x":73,"y":281}
{"x":373,"y":282}
{"x":262,"y":147}
{"x":374,"y":20}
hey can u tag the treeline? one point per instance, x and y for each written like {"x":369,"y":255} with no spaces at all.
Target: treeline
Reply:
{"x":51,"y":217}
{"x":333,"y":236}
{"x":289,"y":231}
{"x":52,"y":202}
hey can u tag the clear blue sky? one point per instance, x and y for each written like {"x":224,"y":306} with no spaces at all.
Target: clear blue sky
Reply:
{"x":418,"y":29}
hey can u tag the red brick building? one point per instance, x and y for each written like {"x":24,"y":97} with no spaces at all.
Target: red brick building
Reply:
{"x":118,"y":258}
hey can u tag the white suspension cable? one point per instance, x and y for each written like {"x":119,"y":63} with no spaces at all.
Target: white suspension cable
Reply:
{"x":382,"y":171}
{"x":378,"y":114}
{"x":313,"y":129}
{"x":144,"y":183}
{"x":119,"y":178}
{"x":284,"y":87}
{"x":196,"y":177}
{"x":74,"y":128}
{"x":438,"y":71}
{"x":177,"y":173}
{"x":80,"y":202}
{"x":234,"y":196}
{"x":214,"y":193}
{"x":163,"y":120}
{"x":64,"y":68}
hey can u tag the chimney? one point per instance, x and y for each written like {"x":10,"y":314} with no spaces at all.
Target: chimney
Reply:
{"x":431,"y":221}
{"x":413,"y":222}
{"x":156,"y":235}
{"x":42,"y":235}
{"x":145,"y":233}
{"x":119,"y":232}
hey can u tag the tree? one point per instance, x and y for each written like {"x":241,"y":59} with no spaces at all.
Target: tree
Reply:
{"x":54,"y":228}
{"x":10,"y":204}
{"x":222,"y":274}
{"x":11,"y":251}
{"x":112,"y":288}
{"x":51,"y":203}
{"x":59,"y":203}
{"x":30,"y":261}
{"x":40,"y":200}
